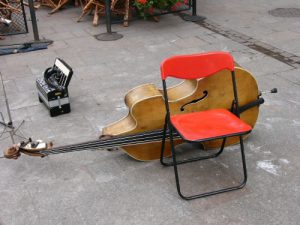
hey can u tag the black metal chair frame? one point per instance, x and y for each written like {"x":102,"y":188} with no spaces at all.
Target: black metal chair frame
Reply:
{"x":170,"y":129}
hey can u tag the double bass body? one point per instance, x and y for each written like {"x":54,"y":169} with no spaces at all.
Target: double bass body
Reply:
{"x":147,"y":109}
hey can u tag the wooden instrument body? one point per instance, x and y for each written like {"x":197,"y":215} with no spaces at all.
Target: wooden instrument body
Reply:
{"x":147,"y":109}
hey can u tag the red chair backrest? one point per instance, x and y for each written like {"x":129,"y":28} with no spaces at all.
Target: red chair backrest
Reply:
{"x":196,"y":65}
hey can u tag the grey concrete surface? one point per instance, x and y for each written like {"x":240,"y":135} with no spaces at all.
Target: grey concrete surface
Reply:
{"x":102,"y":187}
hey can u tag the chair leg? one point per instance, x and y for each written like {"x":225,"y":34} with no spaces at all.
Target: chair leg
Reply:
{"x":241,"y":185}
{"x":163,"y":143}
{"x":175,"y":163}
{"x":127,"y":13}
{"x":244,"y":163}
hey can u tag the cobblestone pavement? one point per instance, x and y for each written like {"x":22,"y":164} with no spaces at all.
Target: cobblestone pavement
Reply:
{"x":108,"y":187}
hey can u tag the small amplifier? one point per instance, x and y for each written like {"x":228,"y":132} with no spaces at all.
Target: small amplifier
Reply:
{"x":53,"y":88}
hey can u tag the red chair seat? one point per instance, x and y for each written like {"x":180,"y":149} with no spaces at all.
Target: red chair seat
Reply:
{"x":205,"y":125}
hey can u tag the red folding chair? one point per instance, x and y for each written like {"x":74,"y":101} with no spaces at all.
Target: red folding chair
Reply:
{"x":204,"y":125}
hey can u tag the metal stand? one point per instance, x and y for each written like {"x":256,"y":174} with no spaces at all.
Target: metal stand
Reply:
{"x":109,"y":35}
{"x":193,"y":17}
{"x":9,"y":127}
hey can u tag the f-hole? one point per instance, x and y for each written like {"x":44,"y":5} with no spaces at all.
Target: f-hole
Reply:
{"x":205,"y":93}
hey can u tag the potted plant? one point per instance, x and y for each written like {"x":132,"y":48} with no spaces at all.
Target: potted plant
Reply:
{"x":152,"y":7}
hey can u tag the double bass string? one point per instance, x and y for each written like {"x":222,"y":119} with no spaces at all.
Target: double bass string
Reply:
{"x":114,"y":142}
{"x":140,"y":138}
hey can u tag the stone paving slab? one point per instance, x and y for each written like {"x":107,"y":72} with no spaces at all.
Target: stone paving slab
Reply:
{"x":108,"y":187}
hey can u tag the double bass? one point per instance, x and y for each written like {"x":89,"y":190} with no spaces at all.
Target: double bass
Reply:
{"x":139,"y":133}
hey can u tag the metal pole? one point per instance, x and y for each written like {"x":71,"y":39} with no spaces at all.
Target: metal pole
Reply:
{"x":33,"y":21}
{"x":109,"y":35}
{"x":108,"y":16}
{"x":194,"y":8}
{"x":193,"y":17}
